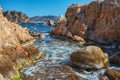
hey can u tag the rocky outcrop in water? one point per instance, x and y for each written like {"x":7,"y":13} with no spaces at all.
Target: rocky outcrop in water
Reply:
{"x":90,"y":57}
{"x":49,"y":23}
{"x":97,"y":21}
{"x":37,"y":35}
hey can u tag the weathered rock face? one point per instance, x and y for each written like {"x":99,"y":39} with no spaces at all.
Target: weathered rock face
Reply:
{"x":90,"y":57}
{"x":11,"y":51}
{"x":96,"y":21}
{"x":12,"y":34}
{"x":60,"y":29}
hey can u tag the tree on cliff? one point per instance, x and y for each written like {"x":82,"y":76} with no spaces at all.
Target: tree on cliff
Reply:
{"x":15,"y":16}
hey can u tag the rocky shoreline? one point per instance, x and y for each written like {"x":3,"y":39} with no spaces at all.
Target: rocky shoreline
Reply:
{"x":97,"y":21}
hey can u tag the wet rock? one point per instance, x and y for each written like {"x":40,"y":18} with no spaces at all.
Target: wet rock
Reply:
{"x":112,"y":74}
{"x":115,"y":60}
{"x":90,"y":57}
{"x":44,"y":23}
{"x":51,"y":23}
{"x":38,"y":35}
{"x":47,"y":70}
{"x":103,"y":77}
{"x":78,"y":39}
{"x":42,"y":36}
{"x":69,"y":35}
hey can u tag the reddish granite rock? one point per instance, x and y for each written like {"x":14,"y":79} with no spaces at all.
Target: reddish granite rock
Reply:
{"x":103,"y":77}
{"x":11,"y":51}
{"x":69,"y":35}
{"x":97,"y":21}
{"x":14,"y":34}
{"x":60,"y":29}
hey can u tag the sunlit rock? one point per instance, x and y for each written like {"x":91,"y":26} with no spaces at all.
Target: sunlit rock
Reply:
{"x":90,"y":57}
{"x":97,"y":21}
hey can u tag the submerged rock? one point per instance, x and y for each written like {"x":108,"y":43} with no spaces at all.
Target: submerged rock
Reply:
{"x":112,"y":74}
{"x":47,"y":70}
{"x":90,"y":57}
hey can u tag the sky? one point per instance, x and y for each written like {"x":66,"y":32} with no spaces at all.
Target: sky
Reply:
{"x":40,"y":7}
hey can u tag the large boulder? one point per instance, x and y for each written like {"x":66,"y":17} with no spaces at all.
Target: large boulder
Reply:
{"x":90,"y":57}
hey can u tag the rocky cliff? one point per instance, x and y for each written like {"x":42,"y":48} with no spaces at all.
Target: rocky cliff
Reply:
{"x":97,"y":21}
{"x":12,"y":34}
{"x":12,"y":53}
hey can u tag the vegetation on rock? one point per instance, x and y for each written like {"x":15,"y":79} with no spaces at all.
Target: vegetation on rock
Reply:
{"x":15,"y":16}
